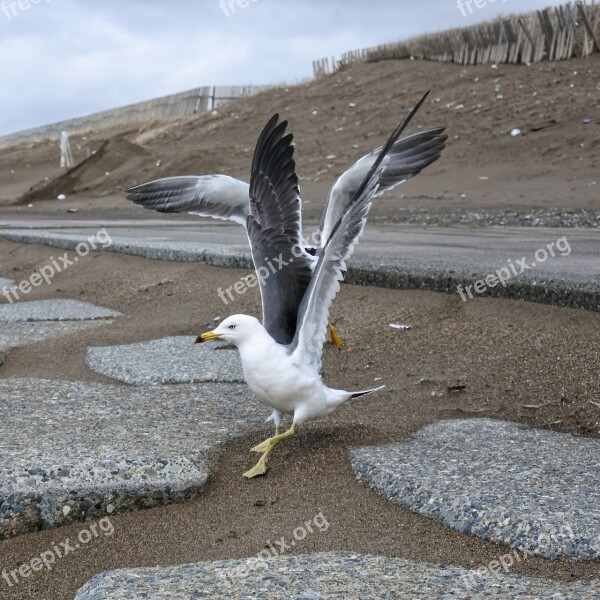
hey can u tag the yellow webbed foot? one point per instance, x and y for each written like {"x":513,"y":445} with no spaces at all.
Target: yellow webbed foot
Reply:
{"x":336,"y":340}
{"x":260,"y":468}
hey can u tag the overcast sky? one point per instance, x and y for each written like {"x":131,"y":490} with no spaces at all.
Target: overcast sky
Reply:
{"x":67,"y":58}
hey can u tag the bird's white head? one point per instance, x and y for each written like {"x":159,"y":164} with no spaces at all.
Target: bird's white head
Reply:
{"x":236,"y":330}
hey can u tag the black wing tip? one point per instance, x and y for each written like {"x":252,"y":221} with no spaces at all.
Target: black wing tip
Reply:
{"x":165,"y":184}
{"x":273,"y":141}
{"x":388,"y":146}
{"x":413,"y":145}
{"x":135,"y":197}
{"x":271,"y":129}
{"x":401,"y":127}
{"x":430,"y":133}
{"x":273,"y":124}
{"x":147,"y":186}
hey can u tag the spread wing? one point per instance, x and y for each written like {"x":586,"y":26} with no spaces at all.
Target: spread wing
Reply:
{"x":337,"y":248}
{"x":407,"y":158}
{"x":223,"y":197}
{"x":274,"y":229}
{"x":218,"y":196}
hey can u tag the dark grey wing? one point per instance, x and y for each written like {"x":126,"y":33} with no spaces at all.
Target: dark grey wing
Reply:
{"x":311,"y":329}
{"x":283,"y":279}
{"x":407,"y":158}
{"x":274,"y":190}
{"x":410,"y":155}
{"x":218,"y":196}
{"x":282,"y":266}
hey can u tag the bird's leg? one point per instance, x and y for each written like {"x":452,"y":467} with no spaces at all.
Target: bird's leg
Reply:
{"x":260,"y":468}
{"x":336,"y":340}
{"x":264,"y":446}
{"x":277,"y":430}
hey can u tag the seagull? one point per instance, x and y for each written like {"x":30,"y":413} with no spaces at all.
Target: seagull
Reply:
{"x":224,"y":197}
{"x":281,"y":357}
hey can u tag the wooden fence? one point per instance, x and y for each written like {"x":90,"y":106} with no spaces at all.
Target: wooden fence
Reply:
{"x":168,"y":107}
{"x":551,"y":34}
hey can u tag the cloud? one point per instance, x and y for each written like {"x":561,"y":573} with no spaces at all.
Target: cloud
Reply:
{"x":66,"y":58}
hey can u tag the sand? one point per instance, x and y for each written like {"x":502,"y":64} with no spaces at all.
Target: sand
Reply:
{"x":508,"y":354}
{"x":552,"y":165}
{"x":522,"y":362}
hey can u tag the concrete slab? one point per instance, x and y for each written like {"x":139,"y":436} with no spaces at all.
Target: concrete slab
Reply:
{"x":394,"y":256}
{"x":54,"y":310}
{"x":24,"y":323}
{"x":15,"y":335}
{"x":533,"y":490}
{"x":321,"y":576}
{"x":172,"y":360}
{"x":75,"y":450}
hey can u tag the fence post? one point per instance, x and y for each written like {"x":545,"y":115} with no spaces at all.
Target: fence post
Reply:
{"x":66,"y":158}
{"x":588,"y":25}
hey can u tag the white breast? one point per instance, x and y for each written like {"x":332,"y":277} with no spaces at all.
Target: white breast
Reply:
{"x":276,"y":380}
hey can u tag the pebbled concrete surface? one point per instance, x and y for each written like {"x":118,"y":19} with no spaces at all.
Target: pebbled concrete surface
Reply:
{"x":323,"y":576}
{"x":103,"y":448}
{"x":15,"y":335}
{"x":498,"y":480}
{"x":53,"y":310}
{"x":24,"y":323}
{"x":397,"y":257}
{"x":171,"y":360}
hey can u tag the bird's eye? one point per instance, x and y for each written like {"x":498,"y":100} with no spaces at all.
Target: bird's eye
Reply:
{"x":231,"y":327}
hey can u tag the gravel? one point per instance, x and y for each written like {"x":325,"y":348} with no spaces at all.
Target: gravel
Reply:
{"x":533,"y":490}
{"x":172,"y":360}
{"x":320,"y":576}
{"x":551,"y":217}
{"x":53,"y":310}
{"x":98,"y":445}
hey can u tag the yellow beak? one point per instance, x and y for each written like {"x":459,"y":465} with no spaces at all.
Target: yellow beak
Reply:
{"x":209,"y":336}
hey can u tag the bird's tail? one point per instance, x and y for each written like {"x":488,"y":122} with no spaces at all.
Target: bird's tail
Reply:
{"x":355,"y":395}
{"x":339,"y":397}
